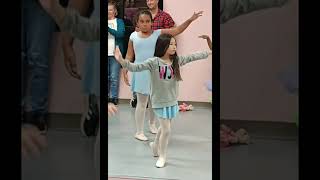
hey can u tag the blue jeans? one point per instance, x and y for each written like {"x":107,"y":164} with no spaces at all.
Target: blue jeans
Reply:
{"x":37,"y":29}
{"x":113,"y":77}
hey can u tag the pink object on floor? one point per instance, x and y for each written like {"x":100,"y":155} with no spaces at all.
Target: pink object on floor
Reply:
{"x":185,"y":107}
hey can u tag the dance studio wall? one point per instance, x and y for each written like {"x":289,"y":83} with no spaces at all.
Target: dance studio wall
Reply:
{"x":255,"y":48}
{"x":194,"y":75}
{"x":65,"y":91}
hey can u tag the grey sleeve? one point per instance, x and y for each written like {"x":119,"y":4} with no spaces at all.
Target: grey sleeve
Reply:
{"x":230,"y":9}
{"x":80,"y":27}
{"x":149,"y":64}
{"x":193,"y":57}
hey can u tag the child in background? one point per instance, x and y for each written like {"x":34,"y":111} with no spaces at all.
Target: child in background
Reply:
{"x":164,"y":70}
{"x":116,"y":34}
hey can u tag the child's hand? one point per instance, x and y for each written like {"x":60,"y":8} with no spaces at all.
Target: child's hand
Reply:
{"x":196,"y":15}
{"x":112,"y":109}
{"x":118,"y":55}
{"x":125,"y":76}
{"x":208,"y":40}
{"x":70,"y":61}
{"x":204,"y":37}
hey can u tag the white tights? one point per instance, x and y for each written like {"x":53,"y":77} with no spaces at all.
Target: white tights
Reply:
{"x":141,"y":112}
{"x":162,"y":138}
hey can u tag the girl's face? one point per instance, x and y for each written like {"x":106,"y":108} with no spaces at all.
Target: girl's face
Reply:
{"x":112,"y":12}
{"x":144,"y":23}
{"x":172,"y":47}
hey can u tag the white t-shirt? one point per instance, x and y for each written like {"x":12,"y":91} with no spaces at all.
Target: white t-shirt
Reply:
{"x":111,"y":39}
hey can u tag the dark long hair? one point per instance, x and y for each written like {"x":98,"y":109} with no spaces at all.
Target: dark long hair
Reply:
{"x":162,"y":46}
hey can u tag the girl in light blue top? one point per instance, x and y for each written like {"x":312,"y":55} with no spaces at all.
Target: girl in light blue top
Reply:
{"x":141,"y":46}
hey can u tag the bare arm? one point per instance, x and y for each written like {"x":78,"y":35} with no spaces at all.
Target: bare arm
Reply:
{"x":179,"y":29}
{"x":130,"y":57}
{"x":208,"y":40}
{"x":130,"y":51}
{"x":183,"y":60}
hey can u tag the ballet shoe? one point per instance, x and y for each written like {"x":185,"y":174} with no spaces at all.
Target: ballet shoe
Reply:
{"x":141,"y":137}
{"x":160,"y":163}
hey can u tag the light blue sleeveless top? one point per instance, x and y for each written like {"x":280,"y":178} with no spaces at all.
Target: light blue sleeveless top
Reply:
{"x":144,"y":49}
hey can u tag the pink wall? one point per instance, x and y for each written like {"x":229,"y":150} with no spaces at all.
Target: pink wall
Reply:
{"x":65,"y":91}
{"x":197,"y":73}
{"x":255,"y":48}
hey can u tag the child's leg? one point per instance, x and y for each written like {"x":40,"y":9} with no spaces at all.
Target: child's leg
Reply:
{"x":152,"y":121}
{"x":140,"y":115}
{"x":163,"y":141}
{"x":155,"y":145}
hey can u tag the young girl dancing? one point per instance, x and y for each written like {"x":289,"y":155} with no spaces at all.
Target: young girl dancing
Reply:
{"x":141,"y":46}
{"x":164,"y":69}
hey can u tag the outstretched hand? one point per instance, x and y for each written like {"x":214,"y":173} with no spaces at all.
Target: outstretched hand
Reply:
{"x":196,"y":15}
{"x":204,"y":37}
{"x":208,"y":40}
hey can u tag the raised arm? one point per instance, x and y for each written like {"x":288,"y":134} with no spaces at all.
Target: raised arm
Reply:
{"x":208,"y":40}
{"x":183,"y":60}
{"x":179,"y":29}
